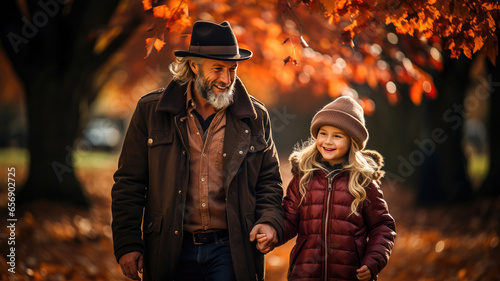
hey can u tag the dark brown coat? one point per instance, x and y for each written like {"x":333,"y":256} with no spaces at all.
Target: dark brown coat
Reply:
{"x":152,"y":178}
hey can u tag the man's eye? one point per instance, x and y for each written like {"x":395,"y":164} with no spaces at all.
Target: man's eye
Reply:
{"x":217,"y":69}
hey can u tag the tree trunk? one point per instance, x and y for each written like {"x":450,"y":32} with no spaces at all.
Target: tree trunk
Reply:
{"x":491,"y":185}
{"x":53,"y":118}
{"x":55,"y":57}
{"x":442,"y":175}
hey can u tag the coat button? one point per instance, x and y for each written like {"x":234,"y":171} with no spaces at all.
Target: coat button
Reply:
{"x":150,"y":141}
{"x":183,"y":152}
{"x":176,"y":232}
{"x":252,"y":148}
{"x":224,"y":155}
{"x":246,"y":131}
{"x":150,"y":224}
{"x":180,"y":191}
{"x":240,"y":152}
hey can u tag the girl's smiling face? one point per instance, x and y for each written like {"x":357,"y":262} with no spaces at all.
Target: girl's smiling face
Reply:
{"x":333,"y":144}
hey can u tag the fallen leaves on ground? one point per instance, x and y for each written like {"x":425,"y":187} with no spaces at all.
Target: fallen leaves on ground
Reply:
{"x":458,"y":241}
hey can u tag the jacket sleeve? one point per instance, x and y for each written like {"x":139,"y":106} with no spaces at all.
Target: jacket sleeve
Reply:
{"x":129,"y":189}
{"x":269,"y":189}
{"x":291,"y":206}
{"x":381,"y":230}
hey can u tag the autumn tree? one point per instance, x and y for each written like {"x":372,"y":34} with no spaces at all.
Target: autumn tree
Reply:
{"x":57,"y":49}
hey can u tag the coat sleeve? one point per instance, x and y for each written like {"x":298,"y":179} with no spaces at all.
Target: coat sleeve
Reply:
{"x":291,"y":206}
{"x":129,"y":189}
{"x":381,"y":230}
{"x":269,"y":189}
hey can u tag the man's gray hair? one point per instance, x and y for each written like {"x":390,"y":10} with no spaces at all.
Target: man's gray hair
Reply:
{"x":181,"y":70}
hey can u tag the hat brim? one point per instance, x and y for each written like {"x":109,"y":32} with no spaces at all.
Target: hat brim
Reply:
{"x":243,"y":55}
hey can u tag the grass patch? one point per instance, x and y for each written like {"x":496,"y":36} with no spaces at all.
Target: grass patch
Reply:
{"x":81,"y":159}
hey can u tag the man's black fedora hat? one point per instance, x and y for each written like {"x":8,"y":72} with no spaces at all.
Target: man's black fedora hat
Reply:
{"x":214,"y":41}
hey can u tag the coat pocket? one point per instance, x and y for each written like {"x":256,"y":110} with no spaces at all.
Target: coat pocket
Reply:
{"x":152,"y":222}
{"x":159,"y":137}
{"x":257,"y":144}
{"x":299,"y":244}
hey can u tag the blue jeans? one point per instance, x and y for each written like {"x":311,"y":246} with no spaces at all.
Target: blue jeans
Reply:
{"x":208,"y":262}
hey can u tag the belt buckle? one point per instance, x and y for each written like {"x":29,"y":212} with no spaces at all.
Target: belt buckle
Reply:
{"x":194,"y":240}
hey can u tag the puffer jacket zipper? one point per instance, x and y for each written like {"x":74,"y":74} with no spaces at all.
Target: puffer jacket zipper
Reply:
{"x":327,"y":247}
{"x":326,"y":225}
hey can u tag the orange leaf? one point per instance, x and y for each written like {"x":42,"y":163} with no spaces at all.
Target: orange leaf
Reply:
{"x":162,"y":11}
{"x":478,"y":43}
{"x":147,"y":4}
{"x":158,"y":44}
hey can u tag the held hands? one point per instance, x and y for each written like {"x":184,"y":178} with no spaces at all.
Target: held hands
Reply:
{"x":266,"y":237}
{"x":131,"y":263}
{"x":364,"y":273}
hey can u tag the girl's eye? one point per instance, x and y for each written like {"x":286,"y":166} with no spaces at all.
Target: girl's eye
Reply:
{"x":338,"y":136}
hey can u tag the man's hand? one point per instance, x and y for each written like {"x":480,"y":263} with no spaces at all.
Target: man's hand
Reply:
{"x":364,"y":273}
{"x":266,"y":237}
{"x":131,"y":263}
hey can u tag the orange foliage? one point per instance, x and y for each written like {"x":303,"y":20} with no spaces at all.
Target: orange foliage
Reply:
{"x":466,"y":27}
{"x":295,"y":49}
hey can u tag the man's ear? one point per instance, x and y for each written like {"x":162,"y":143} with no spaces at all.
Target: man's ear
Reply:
{"x":194,"y":66}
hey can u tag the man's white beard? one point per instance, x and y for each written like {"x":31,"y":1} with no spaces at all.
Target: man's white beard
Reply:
{"x":219,"y":101}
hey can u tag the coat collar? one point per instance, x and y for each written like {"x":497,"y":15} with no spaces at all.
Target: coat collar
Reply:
{"x":173,"y":100}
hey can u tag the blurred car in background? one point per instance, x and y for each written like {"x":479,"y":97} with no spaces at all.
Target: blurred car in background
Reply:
{"x":103,"y":133}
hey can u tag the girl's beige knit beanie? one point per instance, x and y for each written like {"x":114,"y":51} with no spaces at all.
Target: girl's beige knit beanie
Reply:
{"x":343,"y":113}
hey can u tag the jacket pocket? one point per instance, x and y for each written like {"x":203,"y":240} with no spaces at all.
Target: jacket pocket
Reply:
{"x":152,"y":222}
{"x":159,"y":137}
{"x":257,"y":144}
{"x":299,"y":244}
{"x":360,"y":246}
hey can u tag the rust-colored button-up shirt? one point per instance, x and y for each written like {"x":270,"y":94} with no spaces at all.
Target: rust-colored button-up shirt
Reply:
{"x":206,"y":199}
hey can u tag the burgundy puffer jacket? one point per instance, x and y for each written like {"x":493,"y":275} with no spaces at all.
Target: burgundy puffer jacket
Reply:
{"x":330,"y":244}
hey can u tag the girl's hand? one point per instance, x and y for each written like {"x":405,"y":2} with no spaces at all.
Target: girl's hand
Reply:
{"x":364,"y":273}
{"x":261,"y":238}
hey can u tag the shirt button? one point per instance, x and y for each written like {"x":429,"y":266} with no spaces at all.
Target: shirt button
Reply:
{"x":203,"y":204}
{"x":203,"y":155}
{"x":240,"y":152}
{"x":203,"y":179}
{"x":246,"y":131}
{"x":150,"y":140}
{"x":191,"y":115}
{"x":176,"y":232}
{"x":192,"y":103}
{"x":197,"y":133}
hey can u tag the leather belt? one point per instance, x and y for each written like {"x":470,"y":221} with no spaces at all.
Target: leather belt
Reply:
{"x":203,"y":238}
